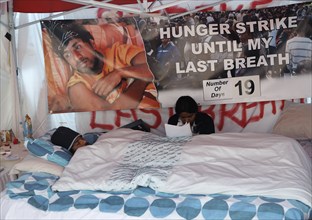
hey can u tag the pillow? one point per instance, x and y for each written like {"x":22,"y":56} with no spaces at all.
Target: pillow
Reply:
{"x":92,"y":137}
{"x":46,"y":150}
{"x":295,"y":121}
{"x":35,"y":164}
{"x":47,"y":135}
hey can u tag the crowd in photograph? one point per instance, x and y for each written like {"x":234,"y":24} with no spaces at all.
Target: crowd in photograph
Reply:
{"x":163,"y":53}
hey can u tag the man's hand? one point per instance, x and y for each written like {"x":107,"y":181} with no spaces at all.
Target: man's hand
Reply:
{"x":139,"y":69}
{"x":106,"y":84}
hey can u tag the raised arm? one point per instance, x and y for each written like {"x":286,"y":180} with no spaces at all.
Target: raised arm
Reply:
{"x":83,"y":99}
{"x":139,"y":69}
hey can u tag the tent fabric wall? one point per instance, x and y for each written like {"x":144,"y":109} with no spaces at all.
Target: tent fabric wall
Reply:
{"x":32,"y":78}
{"x":31,"y":75}
{"x":9,"y":97}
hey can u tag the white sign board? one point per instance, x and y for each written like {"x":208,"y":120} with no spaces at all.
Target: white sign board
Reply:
{"x":231,"y":88}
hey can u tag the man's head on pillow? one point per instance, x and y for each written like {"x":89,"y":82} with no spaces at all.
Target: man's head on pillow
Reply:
{"x":68,"y":138}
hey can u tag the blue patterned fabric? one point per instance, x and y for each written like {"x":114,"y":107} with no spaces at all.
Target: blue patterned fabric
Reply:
{"x":91,"y":137}
{"x":144,"y":202}
{"x":46,"y":150}
{"x":43,"y":147}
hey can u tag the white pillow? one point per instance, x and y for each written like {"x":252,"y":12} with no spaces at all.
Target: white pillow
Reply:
{"x":35,"y":164}
{"x":295,"y":121}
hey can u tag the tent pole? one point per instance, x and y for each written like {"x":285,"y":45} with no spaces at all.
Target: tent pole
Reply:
{"x":56,"y":15}
{"x":198,"y":9}
{"x":140,"y":4}
{"x":12,"y":33}
{"x":17,"y":100}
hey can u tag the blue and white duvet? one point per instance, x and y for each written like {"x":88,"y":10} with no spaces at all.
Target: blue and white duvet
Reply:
{"x":219,"y":176}
{"x":32,"y":198}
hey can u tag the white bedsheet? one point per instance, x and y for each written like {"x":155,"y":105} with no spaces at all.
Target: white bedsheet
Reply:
{"x":228,"y":163}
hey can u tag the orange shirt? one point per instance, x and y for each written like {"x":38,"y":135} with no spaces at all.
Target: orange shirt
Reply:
{"x":116,"y":57}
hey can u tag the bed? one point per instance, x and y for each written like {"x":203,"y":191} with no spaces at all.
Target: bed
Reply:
{"x":131,"y":174}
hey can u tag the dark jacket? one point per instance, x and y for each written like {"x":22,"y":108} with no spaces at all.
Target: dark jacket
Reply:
{"x":204,"y":123}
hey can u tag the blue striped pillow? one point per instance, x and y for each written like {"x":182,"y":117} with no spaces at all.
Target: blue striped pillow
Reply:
{"x":46,"y":150}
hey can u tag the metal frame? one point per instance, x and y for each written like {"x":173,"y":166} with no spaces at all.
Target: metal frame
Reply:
{"x":145,"y":8}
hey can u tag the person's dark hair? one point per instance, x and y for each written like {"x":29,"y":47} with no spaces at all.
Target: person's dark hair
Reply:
{"x":186,"y":104}
{"x":62,"y":32}
{"x":64,"y":137}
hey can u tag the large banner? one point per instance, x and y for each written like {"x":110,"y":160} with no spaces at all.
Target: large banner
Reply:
{"x":216,"y":57}
{"x":92,"y":65}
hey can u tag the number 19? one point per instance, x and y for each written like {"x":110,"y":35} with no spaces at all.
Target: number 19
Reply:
{"x":249,"y":85}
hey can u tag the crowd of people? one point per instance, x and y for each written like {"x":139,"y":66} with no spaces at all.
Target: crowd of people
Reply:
{"x":295,"y":41}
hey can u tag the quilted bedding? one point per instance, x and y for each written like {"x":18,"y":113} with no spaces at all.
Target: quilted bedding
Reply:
{"x":131,"y":174}
{"x":231,"y":163}
{"x":32,"y":196}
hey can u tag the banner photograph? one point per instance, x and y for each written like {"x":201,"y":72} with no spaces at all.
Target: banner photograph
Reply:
{"x":93,"y":66}
{"x":232,"y":56}
{"x":149,"y":62}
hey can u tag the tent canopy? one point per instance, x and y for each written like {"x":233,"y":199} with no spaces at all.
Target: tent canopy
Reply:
{"x":48,"y":6}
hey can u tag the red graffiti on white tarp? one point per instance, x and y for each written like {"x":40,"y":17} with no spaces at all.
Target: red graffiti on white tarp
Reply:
{"x":240,"y":114}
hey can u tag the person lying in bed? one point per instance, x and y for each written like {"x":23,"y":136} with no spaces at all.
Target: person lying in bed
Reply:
{"x":72,"y":140}
{"x":187,"y":112}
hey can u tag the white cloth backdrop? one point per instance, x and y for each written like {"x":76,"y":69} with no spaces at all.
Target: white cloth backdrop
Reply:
{"x":9,"y":98}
